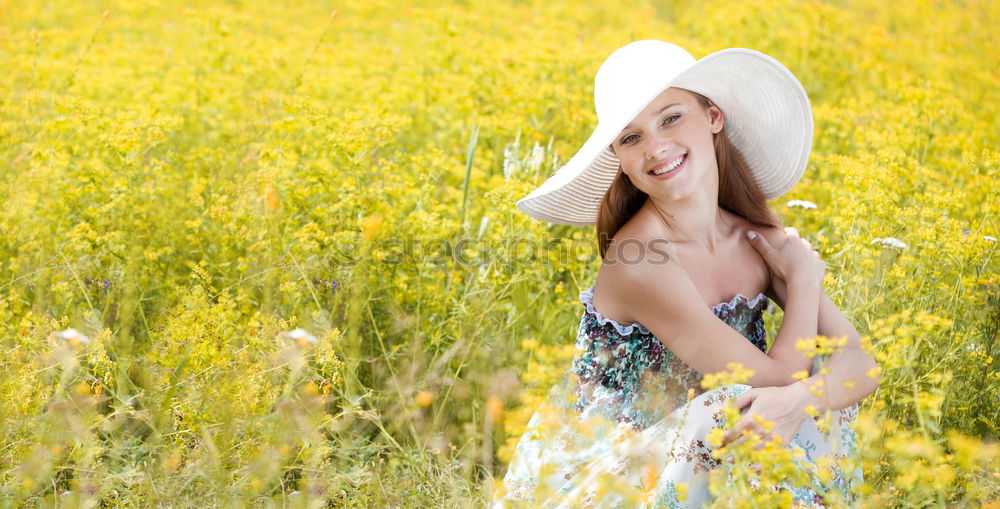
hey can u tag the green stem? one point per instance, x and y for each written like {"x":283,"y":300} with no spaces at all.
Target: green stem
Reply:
{"x":473,"y":140}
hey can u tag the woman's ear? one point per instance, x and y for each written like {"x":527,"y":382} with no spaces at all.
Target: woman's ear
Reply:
{"x":716,"y":118}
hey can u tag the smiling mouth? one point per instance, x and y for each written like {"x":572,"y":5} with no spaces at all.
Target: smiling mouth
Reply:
{"x":669,"y":167}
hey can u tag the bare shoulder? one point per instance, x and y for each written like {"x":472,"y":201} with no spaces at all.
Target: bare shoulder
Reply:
{"x":637,"y":243}
{"x":640,"y":270}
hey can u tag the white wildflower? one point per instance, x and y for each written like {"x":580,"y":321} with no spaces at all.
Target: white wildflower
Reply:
{"x":511,"y":164}
{"x":991,"y":239}
{"x":73,"y":337}
{"x":801,"y":203}
{"x":537,"y":156}
{"x":889,"y":241}
{"x":515,"y":162}
{"x":300,"y":337}
{"x":483,"y":223}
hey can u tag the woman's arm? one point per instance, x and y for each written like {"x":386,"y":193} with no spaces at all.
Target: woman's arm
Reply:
{"x":799,"y":322}
{"x":846,"y":379}
{"x":664,"y":299}
{"x":788,"y":254}
{"x":851,"y":363}
{"x":850,"y":378}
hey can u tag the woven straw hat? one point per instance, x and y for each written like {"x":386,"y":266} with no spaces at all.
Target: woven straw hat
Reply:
{"x":768,"y":118}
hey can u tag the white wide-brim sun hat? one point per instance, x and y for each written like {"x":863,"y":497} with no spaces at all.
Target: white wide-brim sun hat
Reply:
{"x":767,"y":117}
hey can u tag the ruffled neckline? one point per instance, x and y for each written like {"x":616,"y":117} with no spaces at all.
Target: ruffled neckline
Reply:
{"x":587,"y":298}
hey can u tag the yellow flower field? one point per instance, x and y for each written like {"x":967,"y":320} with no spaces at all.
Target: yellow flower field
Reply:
{"x":266,"y":254}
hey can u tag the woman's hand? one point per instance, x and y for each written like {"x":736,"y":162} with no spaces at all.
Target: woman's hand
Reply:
{"x":793,"y":261}
{"x":783,"y":406}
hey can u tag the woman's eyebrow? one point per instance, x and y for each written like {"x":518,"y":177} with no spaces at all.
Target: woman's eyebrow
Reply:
{"x":665,"y":108}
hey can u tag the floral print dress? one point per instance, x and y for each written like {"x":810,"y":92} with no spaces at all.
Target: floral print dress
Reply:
{"x":626,"y":426}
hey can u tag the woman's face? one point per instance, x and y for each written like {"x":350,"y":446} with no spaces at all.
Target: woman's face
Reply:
{"x":673,"y":133}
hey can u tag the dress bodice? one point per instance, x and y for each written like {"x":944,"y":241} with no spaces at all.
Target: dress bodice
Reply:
{"x":628,"y":374}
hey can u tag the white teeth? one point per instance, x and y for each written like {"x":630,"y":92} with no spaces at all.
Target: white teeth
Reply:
{"x":669,"y":167}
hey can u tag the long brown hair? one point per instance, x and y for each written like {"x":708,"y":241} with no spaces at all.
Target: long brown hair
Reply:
{"x":738,"y":192}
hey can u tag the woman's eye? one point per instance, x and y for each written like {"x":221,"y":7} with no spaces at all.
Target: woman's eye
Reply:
{"x":626,"y":140}
{"x":668,"y":121}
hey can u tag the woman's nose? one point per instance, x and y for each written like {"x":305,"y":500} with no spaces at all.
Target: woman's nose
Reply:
{"x":657,"y":149}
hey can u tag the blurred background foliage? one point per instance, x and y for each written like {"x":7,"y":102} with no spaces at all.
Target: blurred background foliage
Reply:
{"x":185,"y":184}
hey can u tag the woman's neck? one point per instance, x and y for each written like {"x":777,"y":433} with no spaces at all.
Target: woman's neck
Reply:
{"x":696,"y":219}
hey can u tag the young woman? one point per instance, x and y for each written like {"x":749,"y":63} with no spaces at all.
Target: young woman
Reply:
{"x":676,"y":177}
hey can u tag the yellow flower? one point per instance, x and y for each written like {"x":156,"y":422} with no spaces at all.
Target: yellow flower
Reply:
{"x":715,"y":436}
{"x":271,"y":201}
{"x":494,"y":408}
{"x":311,"y":389}
{"x":82,"y":389}
{"x":682,"y":490}
{"x":735,"y":374}
{"x":173,"y":462}
{"x":424,"y":399}
{"x":370,"y":227}
{"x":766,"y":425}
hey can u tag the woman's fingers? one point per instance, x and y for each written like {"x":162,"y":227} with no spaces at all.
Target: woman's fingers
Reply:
{"x":736,"y":443}
{"x":744,"y":437}
{"x":807,"y":244}
{"x":736,"y":431}
{"x":745,"y":399}
{"x":793,"y":259}
{"x":793,"y":232}
{"x":748,"y":424}
{"x":771,"y":257}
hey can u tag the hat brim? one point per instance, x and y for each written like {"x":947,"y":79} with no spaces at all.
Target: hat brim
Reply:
{"x":768,"y":118}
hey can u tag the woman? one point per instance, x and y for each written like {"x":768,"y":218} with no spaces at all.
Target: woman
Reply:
{"x":676,"y":177}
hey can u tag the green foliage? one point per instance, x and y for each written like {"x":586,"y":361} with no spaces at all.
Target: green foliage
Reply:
{"x":187,"y":186}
